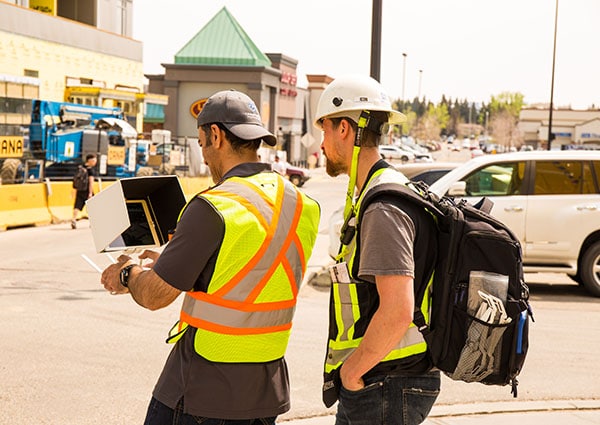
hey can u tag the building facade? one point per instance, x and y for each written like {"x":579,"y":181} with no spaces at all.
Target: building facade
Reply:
{"x":570,"y":128}
{"x":221,"y":56}
{"x":74,"y":51}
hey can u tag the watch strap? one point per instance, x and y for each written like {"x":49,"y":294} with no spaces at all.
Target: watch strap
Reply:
{"x":124,"y":275}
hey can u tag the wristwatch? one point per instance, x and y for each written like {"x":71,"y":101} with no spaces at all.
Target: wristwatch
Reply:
{"x":124,"y":275}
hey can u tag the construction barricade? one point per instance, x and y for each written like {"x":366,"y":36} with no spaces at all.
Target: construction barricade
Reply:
{"x":35,"y":204}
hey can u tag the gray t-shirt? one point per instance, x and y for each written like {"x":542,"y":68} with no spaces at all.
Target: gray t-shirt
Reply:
{"x":213,"y":390}
{"x":377,"y":241}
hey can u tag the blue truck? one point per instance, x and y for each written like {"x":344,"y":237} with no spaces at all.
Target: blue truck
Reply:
{"x":61,"y":134}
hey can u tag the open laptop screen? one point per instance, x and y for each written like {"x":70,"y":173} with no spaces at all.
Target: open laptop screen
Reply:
{"x":141,"y":232}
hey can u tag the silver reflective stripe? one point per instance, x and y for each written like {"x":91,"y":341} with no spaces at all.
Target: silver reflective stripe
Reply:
{"x":345,"y":306}
{"x":293,"y":257}
{"x":286,"y":216}
{"x":225,"y":316}
{"x":411,"y":337}
{"x":252,"y":196}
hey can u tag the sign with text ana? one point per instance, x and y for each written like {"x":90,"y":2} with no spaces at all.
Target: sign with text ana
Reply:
{"x":11,"y":146}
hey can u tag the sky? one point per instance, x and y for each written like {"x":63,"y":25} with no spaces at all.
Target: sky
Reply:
{"x":463,"y":49}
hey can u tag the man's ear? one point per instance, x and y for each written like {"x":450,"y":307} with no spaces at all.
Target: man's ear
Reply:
{"x":345,"y":128}
{"x":216,"y":135}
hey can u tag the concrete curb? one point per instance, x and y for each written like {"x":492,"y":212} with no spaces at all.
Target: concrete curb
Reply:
{"x":484,"y":408}
{"x":512,"y":407}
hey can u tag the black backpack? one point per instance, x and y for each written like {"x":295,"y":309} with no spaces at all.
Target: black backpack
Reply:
{"x":81,"y":180}
{"x":480,"y":311}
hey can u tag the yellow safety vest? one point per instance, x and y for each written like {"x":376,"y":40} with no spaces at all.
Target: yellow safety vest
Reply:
{"x":349,"y":300}
{"x":246,"y":313}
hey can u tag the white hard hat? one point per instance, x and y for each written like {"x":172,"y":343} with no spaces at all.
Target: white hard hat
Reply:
{"x":349,"y":95}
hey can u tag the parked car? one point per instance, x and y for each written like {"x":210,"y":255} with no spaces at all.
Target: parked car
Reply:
{"x":395,"y":152}
{"x":550,"y":200}
{"x":297,"y":175}
{"x":476,"y":152}
{"x":418,"y":171}
{"x":421,"y":154}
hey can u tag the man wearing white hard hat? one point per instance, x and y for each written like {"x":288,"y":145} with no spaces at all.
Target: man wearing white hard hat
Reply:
{"x":376,"y":366}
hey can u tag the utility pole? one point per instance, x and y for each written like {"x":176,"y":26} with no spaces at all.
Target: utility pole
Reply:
{"x":404,"y":55}
{"x":420,"y":78}
{"x":552,"y":84}
{"x":376,"y":41}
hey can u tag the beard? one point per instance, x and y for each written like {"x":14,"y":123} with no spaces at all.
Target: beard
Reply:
{"x":334,"y":168}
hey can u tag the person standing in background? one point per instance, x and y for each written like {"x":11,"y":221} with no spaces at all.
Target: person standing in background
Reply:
{"x":83,"y":185}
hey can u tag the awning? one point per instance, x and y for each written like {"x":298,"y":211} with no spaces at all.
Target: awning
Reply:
{"x":154,"y":113}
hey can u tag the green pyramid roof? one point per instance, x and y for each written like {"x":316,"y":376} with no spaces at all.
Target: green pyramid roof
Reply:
{"x":222,"y":41}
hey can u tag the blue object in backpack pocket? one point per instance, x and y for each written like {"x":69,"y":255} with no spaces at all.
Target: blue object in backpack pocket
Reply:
{"x":520,"y":326}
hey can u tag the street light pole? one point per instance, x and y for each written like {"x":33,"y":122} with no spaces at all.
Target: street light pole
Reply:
{"x":376,"y":40}
{"x":552,"y":83}
{"x":420,"y":78}
{"x":403,"y":74}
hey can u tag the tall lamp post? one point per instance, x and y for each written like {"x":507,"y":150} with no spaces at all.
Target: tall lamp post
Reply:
{"x":376,"y":40}
{"x":403,"y":74}
{"x":552,"y":83}
{"x":420,"y":79}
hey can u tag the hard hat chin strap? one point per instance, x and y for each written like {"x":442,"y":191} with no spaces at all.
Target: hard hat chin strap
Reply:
{"x":364,"y":121}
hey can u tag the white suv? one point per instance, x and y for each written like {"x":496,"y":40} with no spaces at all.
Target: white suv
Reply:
{"x":395,"y":152}
{"x":550,"y":200}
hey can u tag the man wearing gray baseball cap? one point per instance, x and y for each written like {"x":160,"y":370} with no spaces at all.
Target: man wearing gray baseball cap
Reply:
{"x":239,"y":254}
{"x":237,"y":113}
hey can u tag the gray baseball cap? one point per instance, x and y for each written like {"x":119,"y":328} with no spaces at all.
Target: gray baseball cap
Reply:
{"x":238,"y":113}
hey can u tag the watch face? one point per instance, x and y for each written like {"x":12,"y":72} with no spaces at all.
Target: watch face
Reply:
{"x":124,"y":276}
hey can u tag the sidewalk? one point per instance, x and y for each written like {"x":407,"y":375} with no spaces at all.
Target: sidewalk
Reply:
{"x":547,"y":412}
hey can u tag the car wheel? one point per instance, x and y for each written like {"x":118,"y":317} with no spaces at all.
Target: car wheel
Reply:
{"x":296,"y":180}
{"x":590,"y":269}
{"x":404,"y":158}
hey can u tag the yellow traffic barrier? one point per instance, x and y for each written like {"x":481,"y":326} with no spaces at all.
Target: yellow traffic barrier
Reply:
{"x":52,"y":202}
{"x":61,"y":198}
{"x":23,"y":205}
{"x":192,"y":185}
{"x":60,"y":201}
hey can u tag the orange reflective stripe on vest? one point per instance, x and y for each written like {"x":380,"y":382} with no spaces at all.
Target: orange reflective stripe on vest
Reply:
{"x":231,"y":309}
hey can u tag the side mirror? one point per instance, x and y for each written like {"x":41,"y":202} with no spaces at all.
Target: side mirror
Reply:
{"x":458,"y":189}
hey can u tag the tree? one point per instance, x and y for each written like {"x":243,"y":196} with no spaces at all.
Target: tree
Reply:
{"x":509,"y":102}
{"x":504,"y":129}
{"x":433,"y":121}
{"x":504,"y":110}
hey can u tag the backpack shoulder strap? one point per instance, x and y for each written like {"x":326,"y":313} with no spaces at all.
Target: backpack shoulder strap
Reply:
{"x":420,"y":197}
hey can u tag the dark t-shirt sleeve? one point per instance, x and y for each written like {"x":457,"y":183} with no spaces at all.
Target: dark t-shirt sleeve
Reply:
{"x":387,"y":234}
{"x":91,"y":171}
{"x":197,"y":238}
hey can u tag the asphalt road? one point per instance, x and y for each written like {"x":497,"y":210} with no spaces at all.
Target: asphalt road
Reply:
{"x":73,"y":354}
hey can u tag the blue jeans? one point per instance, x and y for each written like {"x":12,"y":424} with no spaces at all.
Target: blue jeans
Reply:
{"x":389,"y":400}
{"x":159,"y":414}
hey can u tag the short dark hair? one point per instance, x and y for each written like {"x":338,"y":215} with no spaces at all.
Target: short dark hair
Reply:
{"x":370,"y":138}
{"x":90,"y":156}
{"x":237,"y":144}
